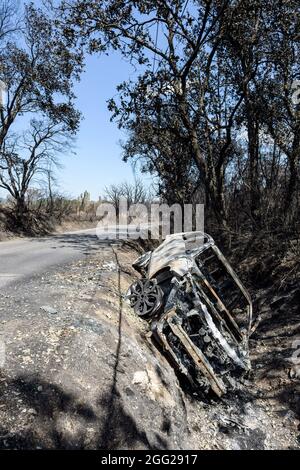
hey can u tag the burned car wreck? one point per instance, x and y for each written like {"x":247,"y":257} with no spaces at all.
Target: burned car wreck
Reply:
{"x":199,"y":311}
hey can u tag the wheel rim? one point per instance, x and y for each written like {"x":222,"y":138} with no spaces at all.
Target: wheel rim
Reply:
{"x":145,"y":297}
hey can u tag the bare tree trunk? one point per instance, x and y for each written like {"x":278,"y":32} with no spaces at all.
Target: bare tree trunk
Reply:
{"x":294,"y":160}
{"x":50,"y":192}
{"x":213,"y":184}
{"x":21,"y":210}
{"x":253,"y":152}
{"x":293,"y":185}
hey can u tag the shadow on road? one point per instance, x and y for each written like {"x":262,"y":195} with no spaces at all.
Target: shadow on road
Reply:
{"x":85,"y":243}
{"x":55,"y":410}
{"x":117,"y":422}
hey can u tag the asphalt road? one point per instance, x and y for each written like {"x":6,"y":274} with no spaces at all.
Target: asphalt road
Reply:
{"x":27,"y":257}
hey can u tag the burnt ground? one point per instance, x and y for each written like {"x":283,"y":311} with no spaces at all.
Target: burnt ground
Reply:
{"x":79,"y":371}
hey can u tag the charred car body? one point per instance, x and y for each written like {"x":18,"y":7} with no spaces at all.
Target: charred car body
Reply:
{"x":199,"y":311}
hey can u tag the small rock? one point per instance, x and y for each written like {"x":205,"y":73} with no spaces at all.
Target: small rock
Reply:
{"x":110,"y":266}
{"x":48,"y":309}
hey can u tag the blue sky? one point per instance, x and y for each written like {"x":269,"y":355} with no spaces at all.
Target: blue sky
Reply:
{"x":99,"y":155}
{"x":98,"y":159}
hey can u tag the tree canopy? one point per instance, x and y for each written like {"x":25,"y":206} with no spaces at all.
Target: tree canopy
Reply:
{"x":211,"y":111}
